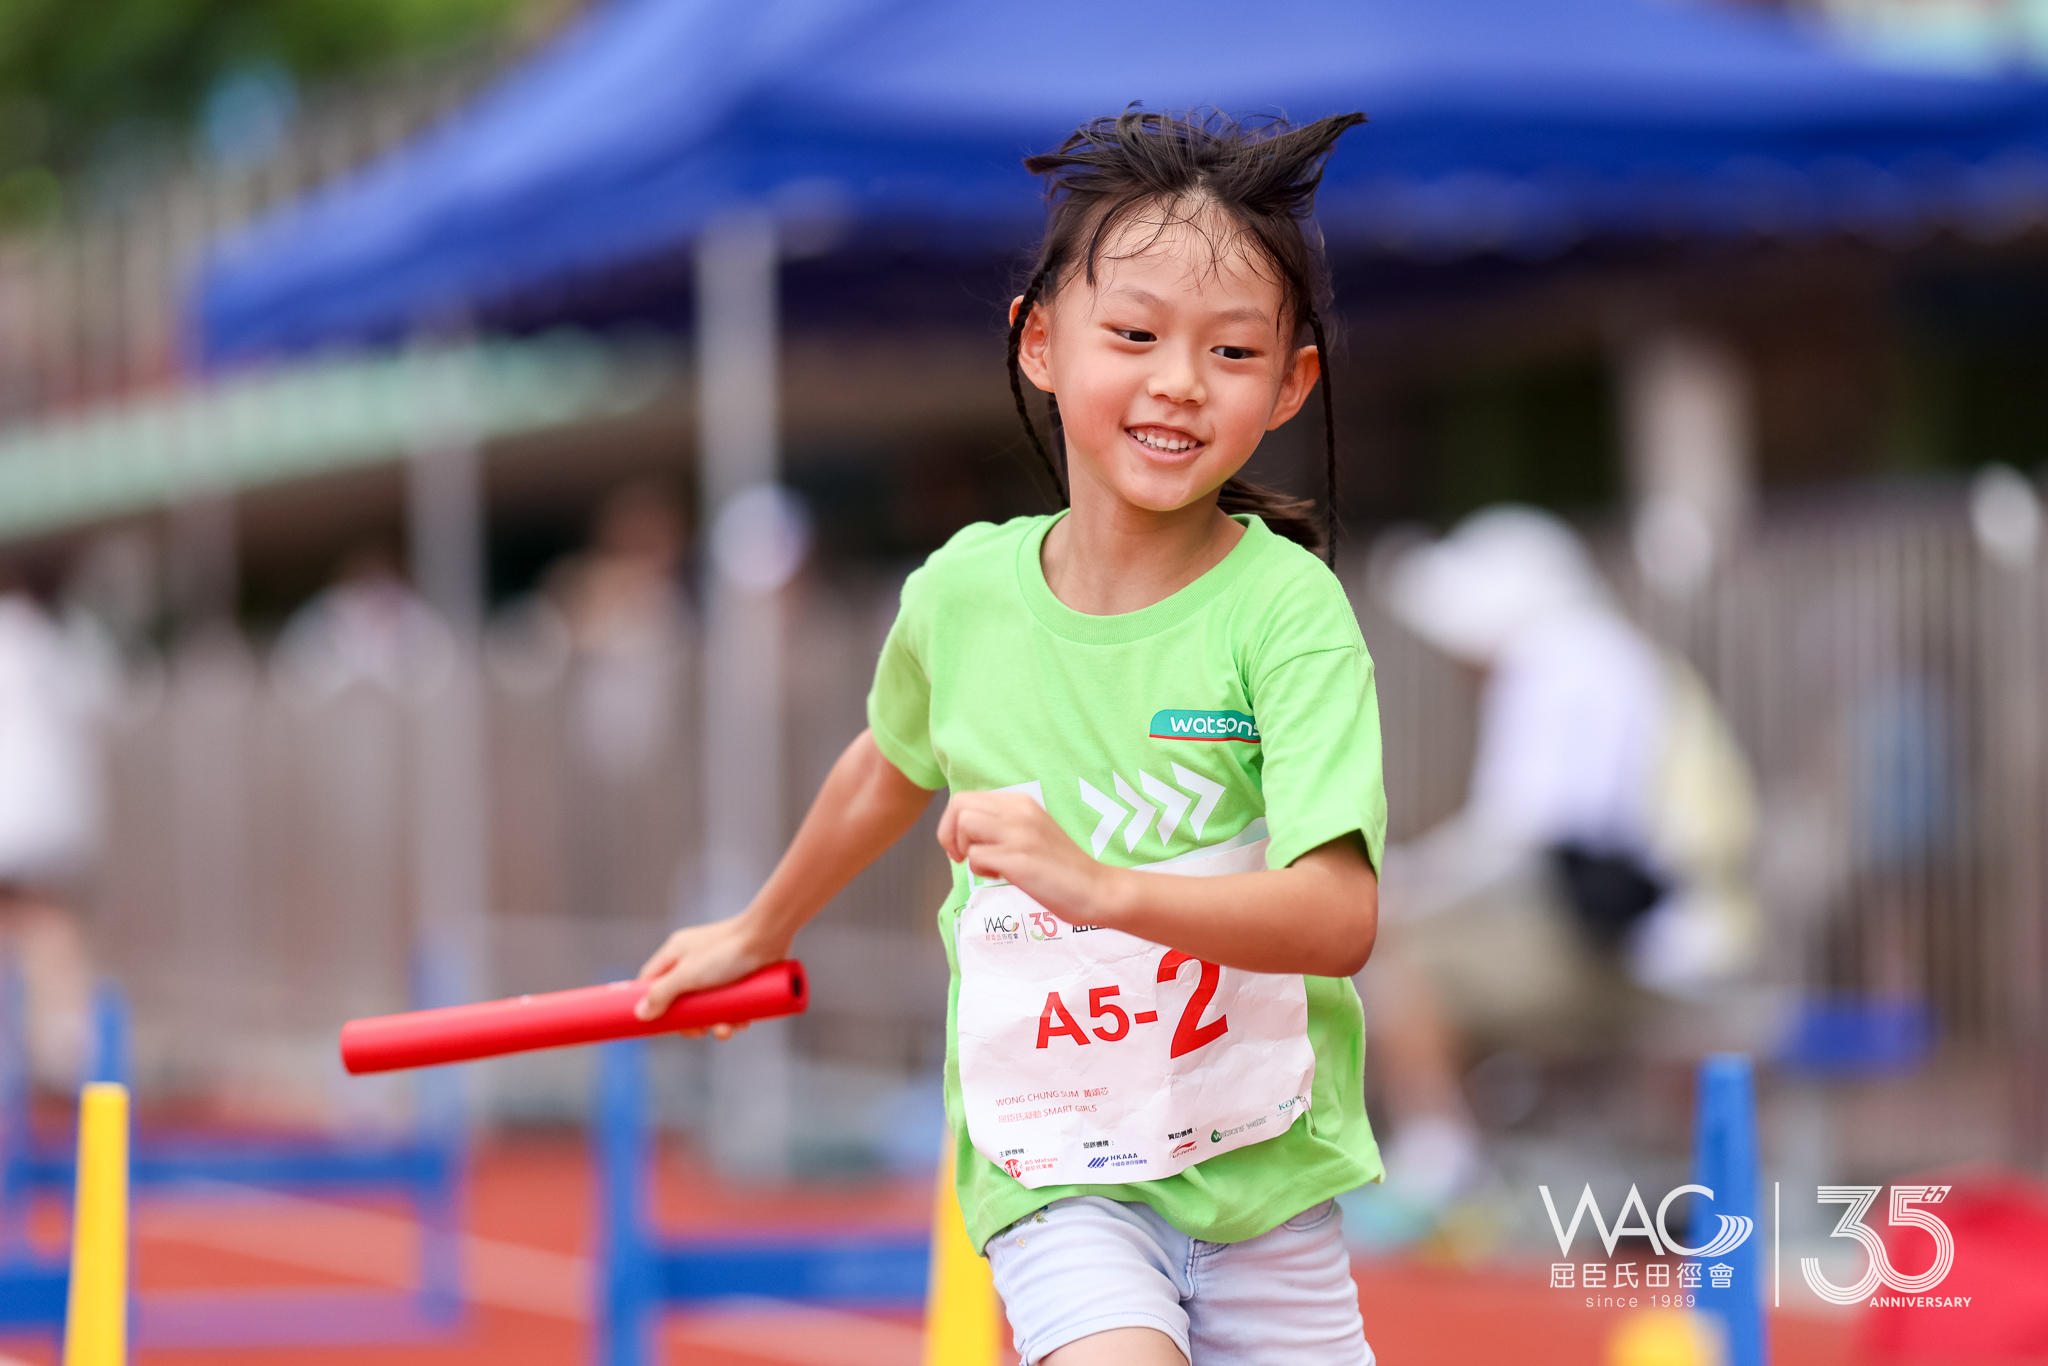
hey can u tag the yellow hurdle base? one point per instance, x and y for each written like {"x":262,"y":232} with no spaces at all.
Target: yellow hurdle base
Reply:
{"x":96,"y":1318}
{"x":963,"y":1317}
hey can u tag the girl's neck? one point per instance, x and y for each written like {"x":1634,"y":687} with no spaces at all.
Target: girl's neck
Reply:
{"x":1107,"y":557}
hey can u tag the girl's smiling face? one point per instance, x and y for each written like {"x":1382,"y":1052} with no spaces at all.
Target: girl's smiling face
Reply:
{"x":1170,"y":366}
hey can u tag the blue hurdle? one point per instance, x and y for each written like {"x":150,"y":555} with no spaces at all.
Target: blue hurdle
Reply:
{"x":427,"y":1166}
{"x":641,"y":1273}
{"x":33,"y":1292}
{"x":1724,"y":1156}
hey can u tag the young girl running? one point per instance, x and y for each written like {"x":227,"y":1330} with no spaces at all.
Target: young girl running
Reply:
{"x":1153,"y":1082}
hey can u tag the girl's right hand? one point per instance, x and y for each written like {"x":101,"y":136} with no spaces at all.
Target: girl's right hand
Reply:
{"x":700,"y":957}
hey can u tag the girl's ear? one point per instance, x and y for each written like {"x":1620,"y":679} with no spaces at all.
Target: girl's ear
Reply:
{"x":1033,"y":344}
{"x":1299,"y":383}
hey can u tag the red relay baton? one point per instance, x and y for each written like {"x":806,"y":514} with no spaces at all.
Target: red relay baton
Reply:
{"x":424,"y":1038}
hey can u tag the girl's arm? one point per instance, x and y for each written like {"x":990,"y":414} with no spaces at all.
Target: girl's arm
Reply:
{"x":864,"y":807}
{"x":1317,"y":916}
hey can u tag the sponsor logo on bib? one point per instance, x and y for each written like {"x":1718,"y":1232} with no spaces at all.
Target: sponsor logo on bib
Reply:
{"x":1175,"y":724}
{"x":1115,"y":1160}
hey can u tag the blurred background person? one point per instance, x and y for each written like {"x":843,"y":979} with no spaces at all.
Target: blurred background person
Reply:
{"x":52,"y":694}
{"x":355,"y":667}
{"x":368,"y":626}
{"x":622,"y":602}
{"x":1599,"y":857}
{"x":619,"y":606}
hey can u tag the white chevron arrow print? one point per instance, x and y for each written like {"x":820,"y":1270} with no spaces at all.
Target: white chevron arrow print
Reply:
{"x":1033,"y":789}
{"x":1210,"y":793}
{"x":1174,"y":804}
{"x":1135,"y":831}
{"x":1112,"y":816}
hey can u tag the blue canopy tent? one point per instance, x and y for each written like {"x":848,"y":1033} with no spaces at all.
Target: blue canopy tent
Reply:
{"x":1496,"y":124}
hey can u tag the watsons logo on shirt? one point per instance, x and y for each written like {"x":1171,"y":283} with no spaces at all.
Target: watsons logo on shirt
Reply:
{"x":1204,"y":725}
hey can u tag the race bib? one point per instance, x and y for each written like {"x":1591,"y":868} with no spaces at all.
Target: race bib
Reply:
{"x":1091,"y":1056}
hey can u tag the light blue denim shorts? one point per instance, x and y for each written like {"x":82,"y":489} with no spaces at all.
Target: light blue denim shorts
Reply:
{"x":1086,"y":1264}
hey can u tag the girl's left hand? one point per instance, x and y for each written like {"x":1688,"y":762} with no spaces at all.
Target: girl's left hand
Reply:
{"x":1009,"y":836}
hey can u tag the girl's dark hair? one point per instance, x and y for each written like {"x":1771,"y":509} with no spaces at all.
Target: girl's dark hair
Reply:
{"x":1197,"y":169}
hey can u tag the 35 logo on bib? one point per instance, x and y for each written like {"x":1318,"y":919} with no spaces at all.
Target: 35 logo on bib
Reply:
{"x":1091,"y":1056}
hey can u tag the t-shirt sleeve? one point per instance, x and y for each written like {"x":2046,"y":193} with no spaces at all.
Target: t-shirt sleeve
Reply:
{"x":900,"y":702}
{"x":1319,"y":726}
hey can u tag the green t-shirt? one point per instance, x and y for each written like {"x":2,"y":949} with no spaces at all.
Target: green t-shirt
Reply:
{"x":1253,"y":678}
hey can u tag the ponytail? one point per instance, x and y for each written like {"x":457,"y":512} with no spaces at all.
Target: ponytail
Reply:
{"x":1283,"y":513}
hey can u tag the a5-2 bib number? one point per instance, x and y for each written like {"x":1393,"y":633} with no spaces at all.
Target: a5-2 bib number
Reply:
{"x":1057,"y":1021}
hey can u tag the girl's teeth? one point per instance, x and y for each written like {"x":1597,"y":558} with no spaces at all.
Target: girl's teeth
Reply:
{"x":1162,"y":444}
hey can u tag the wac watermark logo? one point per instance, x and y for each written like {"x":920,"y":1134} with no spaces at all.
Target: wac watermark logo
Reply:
{"x":1733,"y":1232}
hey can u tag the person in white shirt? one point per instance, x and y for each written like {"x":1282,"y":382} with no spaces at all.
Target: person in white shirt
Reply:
{"x":1600,"y":851}
{"x":52,"y":692}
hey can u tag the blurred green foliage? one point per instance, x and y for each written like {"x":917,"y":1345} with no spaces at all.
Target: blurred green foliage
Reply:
{"x":82,"y":79}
